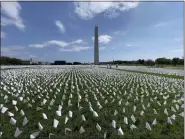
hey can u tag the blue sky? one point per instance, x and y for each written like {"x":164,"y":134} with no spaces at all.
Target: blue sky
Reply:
{"x":48,"y":31}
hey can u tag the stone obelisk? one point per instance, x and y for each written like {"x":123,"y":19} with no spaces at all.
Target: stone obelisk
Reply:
{"x":96,"y":47}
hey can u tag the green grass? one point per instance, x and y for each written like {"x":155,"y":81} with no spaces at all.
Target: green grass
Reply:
{"x":164,"y":66}
{"x":174,"y":67}
{"x":90,"y":81}
{"x":152,"y":73}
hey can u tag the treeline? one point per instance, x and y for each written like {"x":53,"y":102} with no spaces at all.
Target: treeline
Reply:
{"x":149,"y":62}
{"x":10,"y":61}
{"x":66,"y":63}
{"x":158,"y":62}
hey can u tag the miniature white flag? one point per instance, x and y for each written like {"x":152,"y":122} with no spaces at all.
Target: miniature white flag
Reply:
{"x":14,"y":102}
{"x":59,"y":107}
{"x":17,"y":132}
{"x":58,"y":113}
{"x":49,"y":108}
{"x":70,"y":114}
{"x":125,"y":120}
{"x":134,"y":108}
{"x":91,"y":109}
{"x":4,"y":109}
{"x":83,"y":118}
{"x":173,"y":117}
{"x":12,"y":121}
{"x":95,"y":114}
{"x":20,"y":98}
{"x":133,"y":118}
{"x":38,"y":108}
{"x":154,"y":122}
{"x":34,"y":135}
{"x":16,"y":109}
{"x":120,"y":131}
{"x":22,"y":113}
{"x":105,"y":134}
{"x":177,"y":106}
{"x":141,"y":113}
{"x":148,"y":126}
{"x":132,"y":127}
{"x":165,"y":111}
{"x":25,"y":121}
{"x":182,"y":114}
{"x":113,"y":124}
{"x":123,"y":110}
{"x":115,"y":112}
{"x":82,"y":129}
{"x":1,"y":105}
{"x":98,"y":127}
{"x":10,"y":114}
{"x":44,"y":116}
{"x":172,"y":109}
{"x":66,"y":119}
{"x":155,"y":112}
{"x":55,"y":123}
{"x":40,"y":126}
{"x":169,"y":120}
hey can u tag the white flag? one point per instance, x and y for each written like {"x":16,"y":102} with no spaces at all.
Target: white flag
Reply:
{"x":55,"y":123}
{"x":148,"y":126}
{"x":17,"y":132}
{"x":120,"y":131}
{"x":82,"y":130}
{"x":34,"y":135}
{"x":98,"y":127}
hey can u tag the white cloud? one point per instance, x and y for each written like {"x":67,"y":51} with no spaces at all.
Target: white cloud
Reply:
{"x":101,"y":48}
{"x":3,"y":35}
{"x":56,"y":42}
{"x":103,"y":39}
{"x":10,"y":14}
{"x":37,"y":45}
{"x":60,"y":26}
{"x":32,"y":56}
{"x":116,"y":32}
{"x":162,"y":24}
{"x":77,"y":41}
{"x":88,"y":10}
{"x":75,"y":49}
{"x":131,"y":45}
{"x":12,"y":50}
{"x":59,"y":43}
{"x":178,"y":50}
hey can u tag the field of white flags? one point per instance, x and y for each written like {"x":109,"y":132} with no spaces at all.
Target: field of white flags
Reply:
{"x":177,"y":72}
{"x":84,"y":101}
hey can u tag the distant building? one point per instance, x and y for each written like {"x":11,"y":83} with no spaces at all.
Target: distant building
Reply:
{"x":26,"y":62}
{"x":30,"y":62}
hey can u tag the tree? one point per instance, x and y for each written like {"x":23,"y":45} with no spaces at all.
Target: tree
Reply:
{"x":141,"y":61}
{"x":76,"y":63}
{"x":149,"y":62}
{"x":60,"y":63}
{"x":10,"y":61}
{"x":175,"y":61}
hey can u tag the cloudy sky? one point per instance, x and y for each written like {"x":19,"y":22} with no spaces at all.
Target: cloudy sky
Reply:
{"x":48,"y":31}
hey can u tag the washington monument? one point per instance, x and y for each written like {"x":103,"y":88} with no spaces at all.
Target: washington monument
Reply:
{"x":96,"y":47}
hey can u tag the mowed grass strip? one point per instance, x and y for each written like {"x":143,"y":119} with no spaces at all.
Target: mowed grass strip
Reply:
{"x":152,"y":73}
